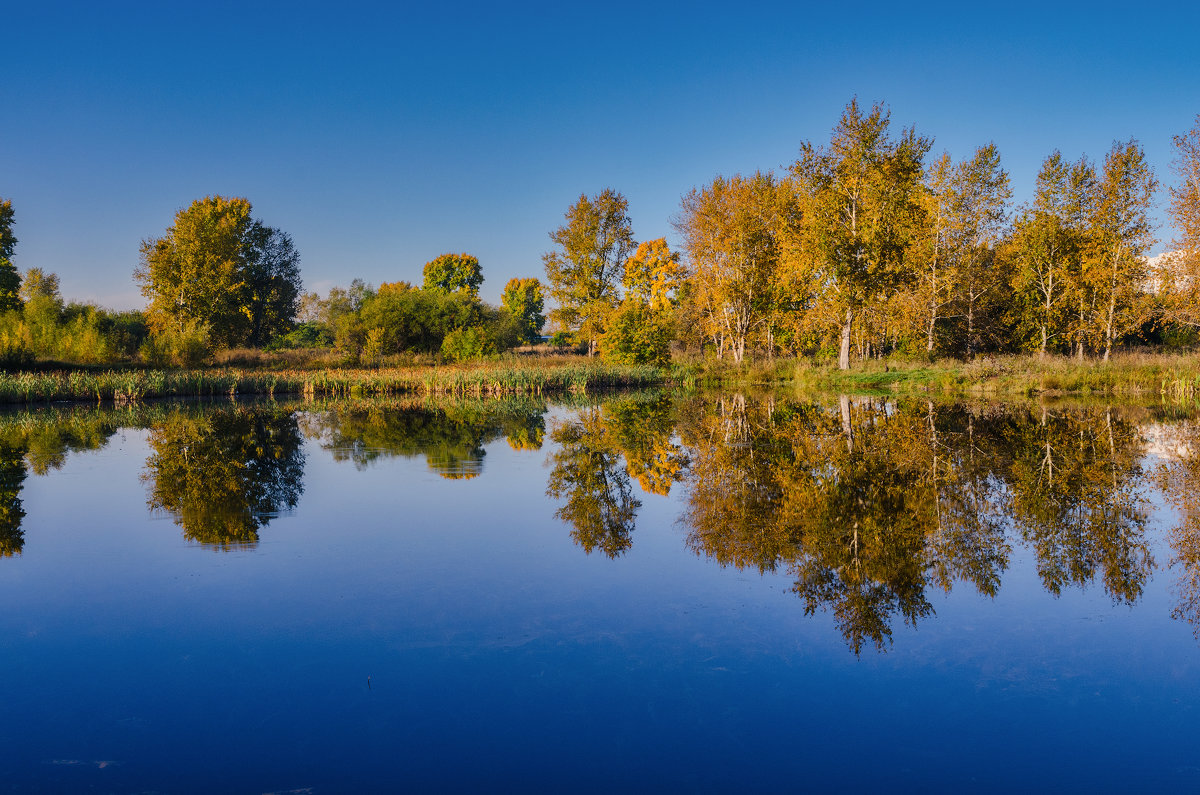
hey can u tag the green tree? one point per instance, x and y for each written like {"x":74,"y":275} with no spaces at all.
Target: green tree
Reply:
{"x":454,"y":273}
{"x":10,"y":280}
{"x":585,"y":269}
{"x":219,"y":266}
{"x":637,"y":334}
{"x":410,"y":319}
{"x":523,"y":299}
{"x":38,"y":283}
{"x":859,"y":210}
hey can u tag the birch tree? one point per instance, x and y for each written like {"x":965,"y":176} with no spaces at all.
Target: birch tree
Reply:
{"x":730,"y":230}
{"x":859,"y":202}
{"x":1121,"y":235}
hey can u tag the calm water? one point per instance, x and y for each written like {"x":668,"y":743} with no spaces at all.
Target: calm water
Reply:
{"x":644,"y":592}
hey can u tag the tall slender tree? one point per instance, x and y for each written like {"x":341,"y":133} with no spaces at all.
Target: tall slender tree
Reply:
{"x":584,"y":270}
{"x":980,"y":211}
{"x":1121,"y":234}
{"x":1178,"y":275}
{"x":859,"y":201}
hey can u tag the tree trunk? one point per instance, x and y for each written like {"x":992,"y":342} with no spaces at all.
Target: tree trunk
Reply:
{"x":847,"y":425}
{"x":970,"y":326}
{"x":1108,"y":330}
{"x":844,"y":353}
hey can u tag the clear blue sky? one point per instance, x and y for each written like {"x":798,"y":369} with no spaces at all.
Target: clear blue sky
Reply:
{"x":382,"y":135}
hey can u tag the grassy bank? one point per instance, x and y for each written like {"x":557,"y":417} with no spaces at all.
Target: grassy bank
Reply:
{"x":1169,"y":376}
{"x":128,"y":386}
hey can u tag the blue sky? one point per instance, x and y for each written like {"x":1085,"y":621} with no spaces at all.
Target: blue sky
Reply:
{"x":382,"y":135}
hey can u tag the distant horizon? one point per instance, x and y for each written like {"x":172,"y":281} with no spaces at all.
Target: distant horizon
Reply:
{"x":382,"y":138}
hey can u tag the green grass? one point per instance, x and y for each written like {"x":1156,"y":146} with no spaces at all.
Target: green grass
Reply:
{"x":1172,"y":377}
{"x":129,"y":386}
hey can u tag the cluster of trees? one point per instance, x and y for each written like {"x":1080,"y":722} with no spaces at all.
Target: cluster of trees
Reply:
{"x":219,"y":278}
{"x":35,"y":322}
{"x":865,"y":247}
{"x":227,"y":279}
{"x":444,"y":315}
{"x":613,"y":295}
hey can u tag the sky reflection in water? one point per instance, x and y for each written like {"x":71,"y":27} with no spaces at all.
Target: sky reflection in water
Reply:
{"x":720,"y":591}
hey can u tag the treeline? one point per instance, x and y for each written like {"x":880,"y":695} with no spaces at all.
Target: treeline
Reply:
{"x":867,"y":247}
{"x":220,"y":279}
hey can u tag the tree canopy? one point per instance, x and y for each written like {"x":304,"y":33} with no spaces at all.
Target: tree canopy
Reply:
{"x":585,"y":269}
{"x":10,"y":280}
{"x":454,"y":273}
{"x":219,"y":266}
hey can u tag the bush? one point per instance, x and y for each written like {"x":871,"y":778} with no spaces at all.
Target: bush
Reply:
{"x":467,"y":343}
{"x":183,"y":348}
{"x":305,"y":335}
{"x":637,"y":335}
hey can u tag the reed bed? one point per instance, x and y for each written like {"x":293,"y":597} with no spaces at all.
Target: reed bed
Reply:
{"x":130,"y":386}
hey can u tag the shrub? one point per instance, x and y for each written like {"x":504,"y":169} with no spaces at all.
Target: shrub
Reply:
{"x":186,"y":347}
{"x":467,"y":343}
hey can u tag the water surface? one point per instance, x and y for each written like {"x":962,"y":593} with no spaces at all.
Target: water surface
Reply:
{"x":713,"y":591}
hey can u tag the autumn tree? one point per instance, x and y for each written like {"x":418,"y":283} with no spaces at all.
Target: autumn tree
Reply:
{"x":219,"y":266}
{"x":454,"y":273}
{"x":935,"y":279}
{"x":1121,"y":234}
{"x":1178,"y":277}
{"x":859,"y":203}
{"x":653,"y":274}
{"x":1047,"y":246}
{"x":979,"y":211}
{"x":38,"y":283}
{"x":641,"y":329}
{"x":584,"y":270}
{"x":10,"y":280}
{"x":523,"y":300}
{"x":730,"y":230}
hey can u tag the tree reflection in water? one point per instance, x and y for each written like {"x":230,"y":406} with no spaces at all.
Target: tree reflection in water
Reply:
{"x":222,"y":475}
{"x":39,"y":442}
{"x":1179,"y":478}
{"x":588,"y":476}
{"x":865,"y":503}
{"x":450,"y":434}
{"x":869,"y":503}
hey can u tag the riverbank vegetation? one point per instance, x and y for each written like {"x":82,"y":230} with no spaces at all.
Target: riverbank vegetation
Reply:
{"x":131,"y":385}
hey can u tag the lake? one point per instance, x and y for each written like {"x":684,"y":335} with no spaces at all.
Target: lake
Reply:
{"x":709,"y":591}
